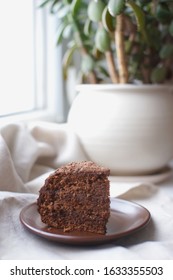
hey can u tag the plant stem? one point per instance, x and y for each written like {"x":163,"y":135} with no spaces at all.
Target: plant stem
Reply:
{"x":146,"y":71}
{"x":92,"y":77}
{"x":111,"y":67}
{"x":120,"y":48}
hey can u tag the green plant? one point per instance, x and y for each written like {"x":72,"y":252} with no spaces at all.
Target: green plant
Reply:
{"x":121,"y":40}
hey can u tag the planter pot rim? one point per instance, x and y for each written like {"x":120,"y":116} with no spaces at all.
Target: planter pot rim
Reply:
{"x":133,"y":87}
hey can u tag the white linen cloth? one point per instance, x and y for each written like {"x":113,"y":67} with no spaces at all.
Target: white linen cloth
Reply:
{"x":28,"y":153}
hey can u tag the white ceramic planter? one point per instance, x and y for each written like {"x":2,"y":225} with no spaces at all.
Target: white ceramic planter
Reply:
{"x":127,"y":128}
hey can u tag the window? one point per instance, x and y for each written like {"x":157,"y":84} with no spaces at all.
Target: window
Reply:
{"x":30,"y":64}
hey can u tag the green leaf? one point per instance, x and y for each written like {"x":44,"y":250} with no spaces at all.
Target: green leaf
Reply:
{"x":158,"y":75}
{"x":68,"y":31}
{"x":107,"y":20}
{"x":60,"y":31}
{"x":166,"y":51}
{"x":75,"y":5}
{"x":63,"y":11}
{"x":87,"y":27}
{"x":44,"y":3}
{"x":97,"y":54}
{"x":116,"y":7}
{"x":102,"y":40}
{"x":163,"y":13}
{"x":87,"y":64}
{"x":139,"y":14}
{"x":55,"y":3}
{"x":103,"y":71}
{"x":95,"y":10}
{"x":67,"y":59}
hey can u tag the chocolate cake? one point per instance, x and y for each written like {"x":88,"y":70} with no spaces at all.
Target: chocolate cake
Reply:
{"x":76,"y":197}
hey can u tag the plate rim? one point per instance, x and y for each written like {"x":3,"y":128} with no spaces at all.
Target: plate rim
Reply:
{"x":84,"y":239}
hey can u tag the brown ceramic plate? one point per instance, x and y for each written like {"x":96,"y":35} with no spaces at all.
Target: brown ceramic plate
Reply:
{"x":126,"y":217}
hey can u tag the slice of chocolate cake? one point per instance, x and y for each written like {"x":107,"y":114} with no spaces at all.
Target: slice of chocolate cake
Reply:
{"x":76,"y":197}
